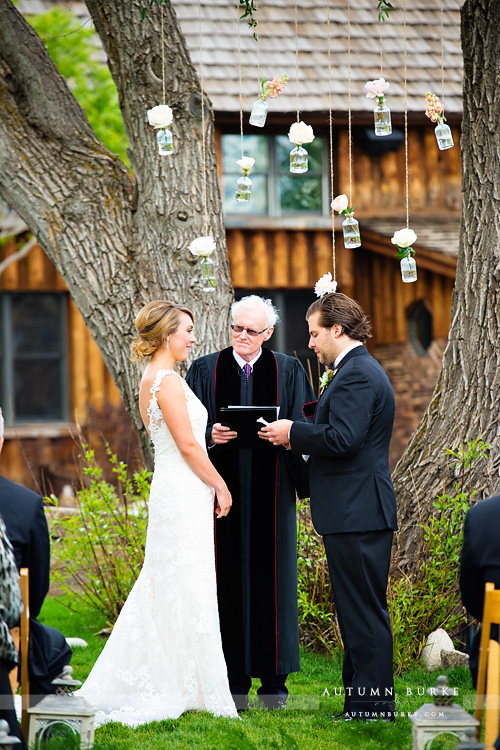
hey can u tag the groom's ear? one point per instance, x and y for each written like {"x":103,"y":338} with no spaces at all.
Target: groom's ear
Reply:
{"x":337,"y":330}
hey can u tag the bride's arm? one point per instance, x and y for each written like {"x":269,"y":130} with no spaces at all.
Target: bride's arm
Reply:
{"x":172,"y":402}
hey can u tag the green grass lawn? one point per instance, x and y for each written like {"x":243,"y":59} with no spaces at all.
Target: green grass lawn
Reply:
{"x":304,"y":725}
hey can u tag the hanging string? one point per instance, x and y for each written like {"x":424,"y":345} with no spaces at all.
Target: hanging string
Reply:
{"x":442,"y":55}
{"x":349,"y":96}
{"x":204,"y":154}
{"x":381,"y":52}
{"x":239,"y":74}
{"x":162,"y":55}
{"x":297,"y":57}
{"x":406,"y":117}
{"x":257,"y":37}
{"x":330,"y":121}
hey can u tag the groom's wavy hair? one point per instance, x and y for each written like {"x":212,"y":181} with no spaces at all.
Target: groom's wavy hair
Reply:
{"x":154,"y":323}
{"x":338,"y":309}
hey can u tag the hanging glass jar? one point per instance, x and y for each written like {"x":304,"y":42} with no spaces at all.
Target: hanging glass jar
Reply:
{"x":207,"y":274}
{"x":444,"y":137}
{"x":243,"y":189}
{"x":382,"y":115}
{"x":299,"y":160}
{"x":165,"y":142}
{"x":408,"y":269}
{"x":259,"y":113}
{"x":350,"y":229}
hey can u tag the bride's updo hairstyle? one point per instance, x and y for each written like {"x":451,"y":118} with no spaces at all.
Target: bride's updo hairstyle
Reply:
{"x":154,"y":323}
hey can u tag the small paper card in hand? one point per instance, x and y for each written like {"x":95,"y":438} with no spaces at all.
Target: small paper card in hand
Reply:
{"x":247,"y":421}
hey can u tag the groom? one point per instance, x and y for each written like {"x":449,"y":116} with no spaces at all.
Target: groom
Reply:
{"x":353,"y":505}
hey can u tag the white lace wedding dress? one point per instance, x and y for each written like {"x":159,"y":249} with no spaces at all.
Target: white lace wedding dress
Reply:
{"x":164,"y":655}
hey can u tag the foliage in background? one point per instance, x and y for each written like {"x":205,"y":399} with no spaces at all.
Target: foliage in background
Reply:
{"x":98,"y":550}
{"x":318,"y":625}
{"x":431,"y":598}
{"x":75,"y":51}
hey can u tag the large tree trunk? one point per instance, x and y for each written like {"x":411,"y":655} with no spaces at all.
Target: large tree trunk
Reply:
{"x":118,"y":239}
{"x":466,"y":401}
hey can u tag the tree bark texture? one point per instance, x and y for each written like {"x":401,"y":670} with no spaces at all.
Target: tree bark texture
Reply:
{"x":119,"y":239}
{"x":466,"y":402}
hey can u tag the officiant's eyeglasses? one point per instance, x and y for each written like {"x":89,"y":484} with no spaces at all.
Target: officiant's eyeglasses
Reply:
{"x":250,"y":331}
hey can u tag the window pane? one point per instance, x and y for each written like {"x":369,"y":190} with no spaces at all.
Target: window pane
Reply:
{"x":36,"y":324}
{"x":300,"y":193}
{"x":37,"y":389}
{"x":314,"y":149}
{"x":258,"y":200}
{"x":255,"y":146}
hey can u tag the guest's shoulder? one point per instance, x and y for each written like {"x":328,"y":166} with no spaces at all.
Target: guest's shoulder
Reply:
{"x":10,"y":490}
{"x":489,"y":507}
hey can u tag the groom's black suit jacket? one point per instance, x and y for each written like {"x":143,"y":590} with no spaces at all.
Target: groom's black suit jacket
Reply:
{"x":350,"y":481}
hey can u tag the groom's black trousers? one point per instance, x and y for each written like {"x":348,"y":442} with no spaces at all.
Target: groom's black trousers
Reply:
{"x":359,"y":568}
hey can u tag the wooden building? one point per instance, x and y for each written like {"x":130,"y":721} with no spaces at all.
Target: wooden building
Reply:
{"x":281,"y":242}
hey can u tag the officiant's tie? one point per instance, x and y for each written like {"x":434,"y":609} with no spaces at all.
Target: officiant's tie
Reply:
{"x":247,"y":370}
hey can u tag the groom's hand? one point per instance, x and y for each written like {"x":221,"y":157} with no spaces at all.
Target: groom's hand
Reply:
{"x":277,"y":432}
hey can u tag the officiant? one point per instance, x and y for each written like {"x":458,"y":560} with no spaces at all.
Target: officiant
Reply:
{"x":256,"y":544}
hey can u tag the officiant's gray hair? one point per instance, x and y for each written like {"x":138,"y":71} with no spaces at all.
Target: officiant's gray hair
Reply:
{"x":254,"y":302}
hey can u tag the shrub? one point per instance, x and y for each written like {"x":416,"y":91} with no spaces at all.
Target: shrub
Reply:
{"x":99,"y":549}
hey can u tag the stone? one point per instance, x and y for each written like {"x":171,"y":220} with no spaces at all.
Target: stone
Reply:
{"x":437,"y":641}
{"x":452,"y":659}
{"x":76,"y":642}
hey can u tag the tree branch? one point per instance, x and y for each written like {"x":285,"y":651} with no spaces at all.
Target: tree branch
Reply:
{"x":19,"y":255}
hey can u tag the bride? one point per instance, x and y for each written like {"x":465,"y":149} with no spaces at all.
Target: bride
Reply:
{"x":164,"y":655}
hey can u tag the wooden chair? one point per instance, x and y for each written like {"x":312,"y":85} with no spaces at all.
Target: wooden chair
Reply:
{"x":21,"y":637}
{"x":488,"y":674}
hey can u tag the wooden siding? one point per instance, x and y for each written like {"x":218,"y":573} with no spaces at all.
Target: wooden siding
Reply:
{"x":296,"y":260}
{"x":378,"y":182}
{"x":89,"y":381}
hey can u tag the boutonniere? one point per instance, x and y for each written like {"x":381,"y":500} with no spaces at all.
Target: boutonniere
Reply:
{"x":326,"y":378}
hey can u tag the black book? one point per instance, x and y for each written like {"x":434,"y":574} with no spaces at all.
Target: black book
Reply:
{"x":245,"y":420}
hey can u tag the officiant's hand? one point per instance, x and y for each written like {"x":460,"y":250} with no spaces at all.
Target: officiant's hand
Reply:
{"x":222,"y":434}
{"x":277,"y":432}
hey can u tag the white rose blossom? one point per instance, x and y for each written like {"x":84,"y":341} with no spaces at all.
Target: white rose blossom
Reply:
{"x":339,"y":203}
{"x":246,"y":163}
{"x":301,"y":133}
{"x":160,"y":116}
{"x":325,"y":285}
{"x":202,"y":247}
{"x":404,"y":237}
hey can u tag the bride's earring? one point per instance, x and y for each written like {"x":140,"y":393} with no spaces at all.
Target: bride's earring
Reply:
{"x":168,"y":343}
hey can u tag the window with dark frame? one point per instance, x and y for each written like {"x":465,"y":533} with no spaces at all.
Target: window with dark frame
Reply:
{"x":33,"y":360}
{"x":275,"y":191}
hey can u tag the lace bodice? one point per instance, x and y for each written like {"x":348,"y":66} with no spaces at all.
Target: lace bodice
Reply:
{"x":160,"y":434}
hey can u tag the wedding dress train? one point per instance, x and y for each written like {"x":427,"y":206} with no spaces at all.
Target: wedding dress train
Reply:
{"x":164,"y":655}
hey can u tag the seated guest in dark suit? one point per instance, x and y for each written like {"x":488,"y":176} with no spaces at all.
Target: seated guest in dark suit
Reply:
{"x":480,"y":563}
{"x":11,"y":607}
{"x":23,"y":513}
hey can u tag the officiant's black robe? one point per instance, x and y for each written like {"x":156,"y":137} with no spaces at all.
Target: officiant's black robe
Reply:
{"x":256,"y":544}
